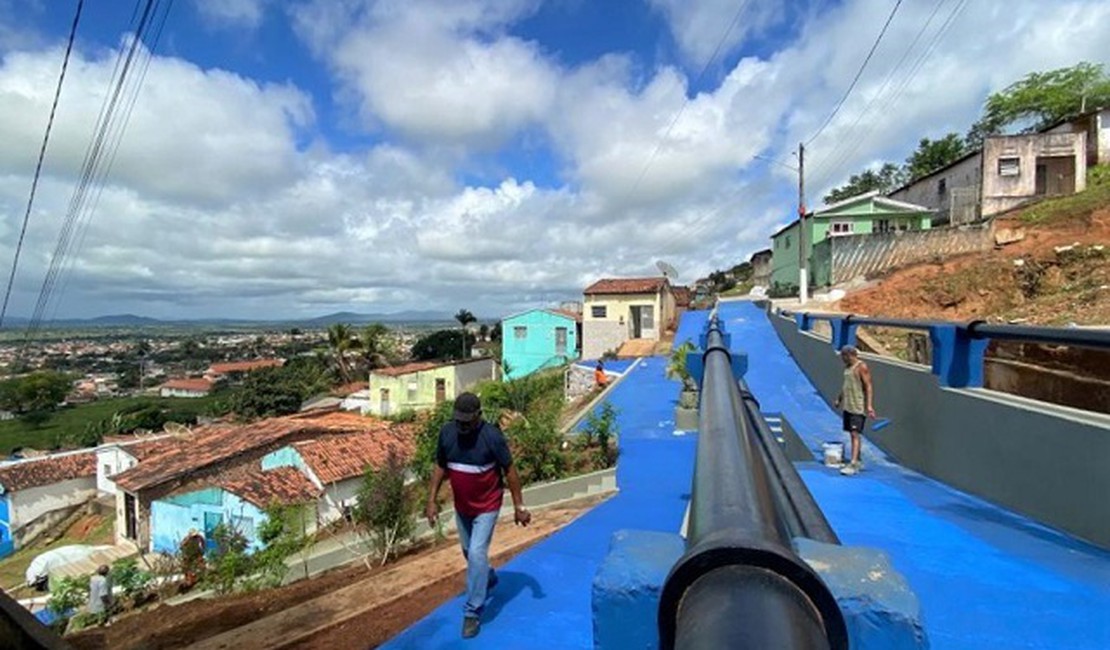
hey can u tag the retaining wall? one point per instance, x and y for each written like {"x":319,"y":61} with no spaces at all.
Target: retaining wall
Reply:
{"x":1042,"y":460}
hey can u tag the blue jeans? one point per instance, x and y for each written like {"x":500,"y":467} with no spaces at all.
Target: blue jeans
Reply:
{"x":475,"y":534}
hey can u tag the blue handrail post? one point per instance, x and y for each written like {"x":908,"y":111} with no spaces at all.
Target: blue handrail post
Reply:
{"x":957,"y":356}
{"x":843,"y":332}
{"x":805,"y":323}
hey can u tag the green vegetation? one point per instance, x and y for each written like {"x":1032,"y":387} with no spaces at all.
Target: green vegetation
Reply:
{"x":1038,"y":101}
{"x":71,"y":424}
{"x":442,"y":345}
{"x":270,"y":392}
{"x":386,"y":507}
{"x":1074,"y":206}
{"x":231,"y":566}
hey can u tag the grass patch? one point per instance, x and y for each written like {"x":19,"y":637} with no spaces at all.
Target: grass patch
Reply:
{"x":71,"y":421}
{"x":14,"y":567}
{"x":1075,"y":206}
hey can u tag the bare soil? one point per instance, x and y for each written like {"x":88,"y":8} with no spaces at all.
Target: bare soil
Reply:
{"x":349,"y":607}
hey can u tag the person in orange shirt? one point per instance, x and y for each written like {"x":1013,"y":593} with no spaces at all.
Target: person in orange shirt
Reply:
{"x":600,"y":378}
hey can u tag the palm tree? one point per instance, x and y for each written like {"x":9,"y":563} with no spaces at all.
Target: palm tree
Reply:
{"x":341,"y":340}
{"x":377,"y":348}
{"x":465,"y":318}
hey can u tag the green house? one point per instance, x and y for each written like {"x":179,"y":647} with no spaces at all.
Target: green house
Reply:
{"x":862,"y":215}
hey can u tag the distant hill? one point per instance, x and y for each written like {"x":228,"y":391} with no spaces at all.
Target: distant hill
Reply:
{"x":131,"y":320}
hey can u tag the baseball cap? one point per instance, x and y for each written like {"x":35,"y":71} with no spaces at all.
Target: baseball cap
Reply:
{"x":467,"y":407}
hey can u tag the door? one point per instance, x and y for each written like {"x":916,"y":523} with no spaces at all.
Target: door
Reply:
{"x":441,"y":390}
{"x":561,"y":341}
{"x":385,"y":401}
{"x":211,"y":520}
{"x":634,"y":323}
{"x":131,"y":528}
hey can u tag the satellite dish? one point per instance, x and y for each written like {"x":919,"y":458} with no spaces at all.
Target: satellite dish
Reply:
{"x":178,"y":430}
{"x":668,"y":270}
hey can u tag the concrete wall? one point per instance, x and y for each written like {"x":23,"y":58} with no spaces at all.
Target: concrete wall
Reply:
{"x":30,"y":510}
{"x":467,"y":375}
{"x":1045,"y":461}
{"x":1062,"y":155}
{"x":842,"y":259}
{"x":762,"y":264}
{"x":601,"y":336}
{"x":172,"y":518}
{"x":927,"y":191}
{"x":111,"y":460}
{"x":618,"y":310}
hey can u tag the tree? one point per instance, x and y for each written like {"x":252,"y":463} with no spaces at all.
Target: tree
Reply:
{"x":483,"y":332}
{"x":268,"y":392}
{"x":39,"y":391}
{"x":465,"y":318}
{"x":442,"y":344}
{"x":341,"y":340}
{"x":1041,"y":99}
{"x":385,"y":507}
{"x":884,"y":179}
{"x":932,"y":155}
{"x":377,"y":346}
{"x":495,"y":332}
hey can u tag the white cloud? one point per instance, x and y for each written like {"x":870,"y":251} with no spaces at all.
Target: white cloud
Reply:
{"x":703,"y":28}
{"x":232,"y":14}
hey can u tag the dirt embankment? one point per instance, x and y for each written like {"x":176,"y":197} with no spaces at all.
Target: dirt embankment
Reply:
{"x":1058,"y":274}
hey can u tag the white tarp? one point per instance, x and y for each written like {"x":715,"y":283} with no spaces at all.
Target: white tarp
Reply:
{"x":44,"y":563}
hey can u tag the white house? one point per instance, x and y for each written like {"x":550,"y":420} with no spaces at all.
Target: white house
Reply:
{"x":116,"y":457}
{"x":185,"y":388}
{"x":36,"y":493}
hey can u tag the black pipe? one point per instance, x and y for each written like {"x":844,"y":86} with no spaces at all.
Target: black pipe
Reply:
{"x":811,"y":521}
{"x":740,"y":570}
{"x":1093,"y":338}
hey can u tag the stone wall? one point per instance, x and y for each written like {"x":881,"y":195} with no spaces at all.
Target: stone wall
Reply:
{"x":842,"y":259}
{"x":599,"y":337}
{"x":579,"y":382}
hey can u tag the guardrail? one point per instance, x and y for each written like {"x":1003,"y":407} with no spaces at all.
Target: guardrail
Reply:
{"x":740,"y":584}
{"x":958,"y":348}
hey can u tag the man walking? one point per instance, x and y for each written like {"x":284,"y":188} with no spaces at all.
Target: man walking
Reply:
{"x":474,"y":456}
{"x":856,"y":399}
{"x":100,"y":595}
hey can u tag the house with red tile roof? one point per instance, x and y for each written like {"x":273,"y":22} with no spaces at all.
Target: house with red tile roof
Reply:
{"x":616,"y":310}
{"x":236,"y":369}
{"x":229,"y":474}
{"x":186,"y":387}
{"x":36,"y":493}
{"x":423,"y":384}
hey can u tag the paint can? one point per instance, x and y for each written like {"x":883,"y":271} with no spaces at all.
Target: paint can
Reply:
{"x":834,"y":453}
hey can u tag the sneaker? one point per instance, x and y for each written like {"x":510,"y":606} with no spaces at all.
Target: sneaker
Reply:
{"x":849,"y":470}
{"x":471,"y":626}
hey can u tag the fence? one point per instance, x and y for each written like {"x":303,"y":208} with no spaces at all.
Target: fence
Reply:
{"x":841,"y":259}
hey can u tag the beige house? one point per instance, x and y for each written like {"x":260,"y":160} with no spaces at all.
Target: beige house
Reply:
{"x":423,"y":384}
{"x":616,"y":310}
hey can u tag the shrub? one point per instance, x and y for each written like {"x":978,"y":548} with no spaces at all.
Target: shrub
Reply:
{"x":229,"y":560}
{"x":68,"y":594}
{"x":386,"y":507}
{"x":537,"y":447}
{"x":131,"y":580}
{"x":601,"y":424}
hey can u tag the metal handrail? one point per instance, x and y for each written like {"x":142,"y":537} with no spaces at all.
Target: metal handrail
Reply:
{"x":978,"y":329}
{"x":740,"y":583}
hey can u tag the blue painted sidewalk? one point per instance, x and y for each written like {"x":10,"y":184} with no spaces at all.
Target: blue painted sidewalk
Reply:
{"x":543,"y":599}
{"x":986,"y":578}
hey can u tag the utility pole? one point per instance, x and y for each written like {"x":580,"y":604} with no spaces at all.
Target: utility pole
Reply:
{"x":803,"y":275}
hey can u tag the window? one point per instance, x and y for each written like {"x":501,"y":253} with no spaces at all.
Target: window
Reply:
{"x":786,"y":242}
{"x":1009,"y":167}
{"x":883,"y":225}
{"x":647,"y":317}
{"x":520,"y":332}
{"x":942,"y":186}
{"x":561,"y":341}
{"x":107,"y":469}
{"x":599,"y":311}
{"x":838,"y":228}
{"x":412,"y":391}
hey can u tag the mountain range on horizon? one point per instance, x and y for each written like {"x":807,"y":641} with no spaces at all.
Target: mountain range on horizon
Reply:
{"x":354,"y":318}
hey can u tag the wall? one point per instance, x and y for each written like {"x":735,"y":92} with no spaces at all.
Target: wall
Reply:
{"x":926,"y":191}
{"x":537,"y":348}
{"x":842,"y":259}
{"x":784,"y":261}
{"x":6,"y":545}
{"x":1044,"y":461}
{"x":335,"y":496}
{"x":601,"y":336}
{"x":457,"y":378}
{"x":467,"y":375}
{"x":177,"y":392}
{"x":618,"y":309}
{"x":111,"y":460}
{"x":1001,"y":193}
{"x":762,"y":265}
{"x":171,"y":518}
{"x":28,"y":509}
{"x":284,"y":457}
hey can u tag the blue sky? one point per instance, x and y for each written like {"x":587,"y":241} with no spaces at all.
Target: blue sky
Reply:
{"x":289,"y":159}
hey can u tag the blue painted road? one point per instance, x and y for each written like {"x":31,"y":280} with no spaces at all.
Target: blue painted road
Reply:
{"x":986,"y":578}
{"x":543,"y":598}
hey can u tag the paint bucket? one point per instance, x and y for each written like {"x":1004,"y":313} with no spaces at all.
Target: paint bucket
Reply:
{"x":834,"y":453}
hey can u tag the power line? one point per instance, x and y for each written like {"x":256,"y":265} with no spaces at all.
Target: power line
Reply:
{"x":685,"y":99}
{"x":42,"y":155}
{"x":90,"y":171}
{"x":859,"y":73}
{"x":921,"y":59}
